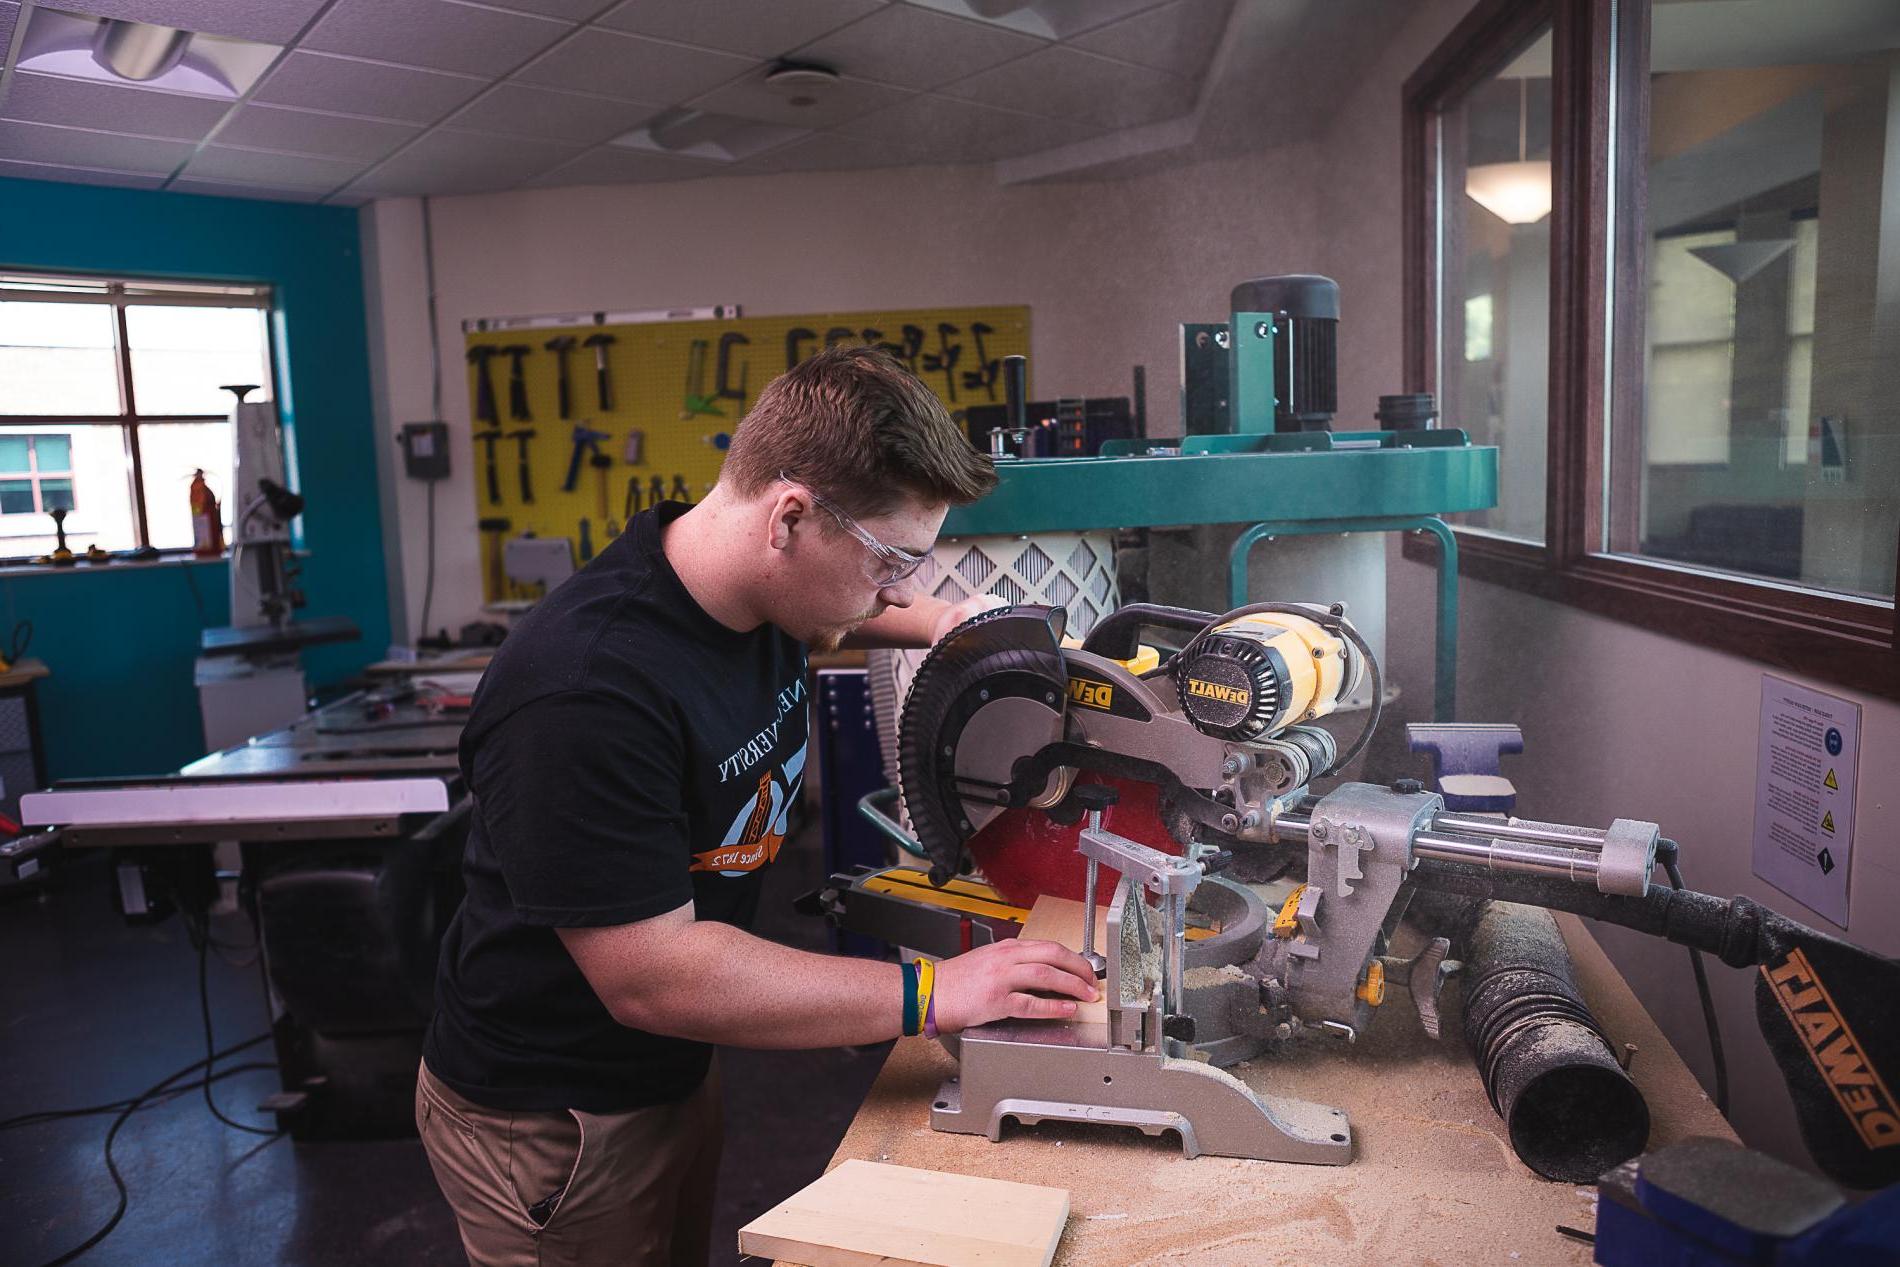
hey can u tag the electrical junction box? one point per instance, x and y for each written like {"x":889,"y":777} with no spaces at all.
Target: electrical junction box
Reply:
{"x":425,"y":450}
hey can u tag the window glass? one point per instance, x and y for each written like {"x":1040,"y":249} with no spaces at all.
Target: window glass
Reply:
{"x":1765,"y":438}
{"x":57,"y":359}
{"x":82,"y":468}
{"x":1494,"y":310}
{"x":182,"y":357}
{"x":171,"y":454}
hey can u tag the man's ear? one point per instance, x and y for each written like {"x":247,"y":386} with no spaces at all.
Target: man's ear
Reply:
{"x":790,"y":511}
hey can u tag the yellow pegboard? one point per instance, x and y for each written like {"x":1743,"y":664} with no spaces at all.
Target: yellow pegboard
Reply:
{"x":665,"y":384}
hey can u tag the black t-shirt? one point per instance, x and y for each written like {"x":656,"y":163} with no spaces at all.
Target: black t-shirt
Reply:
{"x":627,"y":754}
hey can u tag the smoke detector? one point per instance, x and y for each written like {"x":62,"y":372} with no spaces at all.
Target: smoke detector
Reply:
{"x":801,"y":83}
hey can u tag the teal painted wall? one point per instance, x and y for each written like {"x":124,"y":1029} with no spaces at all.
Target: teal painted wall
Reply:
{"x":121,"y":641}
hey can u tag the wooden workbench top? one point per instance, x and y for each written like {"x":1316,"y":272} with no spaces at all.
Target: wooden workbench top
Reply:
{"x":1433,"y":1179}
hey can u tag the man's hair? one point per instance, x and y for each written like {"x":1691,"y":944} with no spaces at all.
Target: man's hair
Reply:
{"x":854,"y":425}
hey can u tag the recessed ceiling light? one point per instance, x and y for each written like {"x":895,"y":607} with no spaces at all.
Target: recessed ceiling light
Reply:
{"x":108,"y":50}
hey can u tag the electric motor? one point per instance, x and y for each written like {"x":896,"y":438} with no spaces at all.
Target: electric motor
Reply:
{"x":1255,"y":675}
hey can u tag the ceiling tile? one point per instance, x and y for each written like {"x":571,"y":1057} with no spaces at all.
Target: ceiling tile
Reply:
{"x":571,"y":10}
{"x":272,"y":21}
{"x":1178,"y":37}
{"x":1050,"y":19}
{"x":751,"y":98}
{"x":447,"y":162}
{"x":312,"y":132}
{"x":611,"y":166}
{"x":402,"y":93}
{"x":522,"y":110}
{"x":278,"y":171}
{"x":1065,"y":83}
{"x":627,"y":66}
{"x":436,"y":34}
{"x":40,"y":143}
{"x":738,"y":26}
{"x":915,"y":48}
{"x":962,"y":131}
{"x":81,"y":103}
{"x":78,"y":175}
{"x":232,"y":189}
{"x":834,"y":151}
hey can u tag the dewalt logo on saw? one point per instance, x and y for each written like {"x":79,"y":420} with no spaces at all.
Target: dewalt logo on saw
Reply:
{"x":1238,"y":695}
{"x":1857,"y":1087}
{"x":1092,"y":694}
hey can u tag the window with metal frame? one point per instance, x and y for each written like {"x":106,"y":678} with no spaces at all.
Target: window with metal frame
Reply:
{"x":1723,"y":458}
{"x":112,"y":398}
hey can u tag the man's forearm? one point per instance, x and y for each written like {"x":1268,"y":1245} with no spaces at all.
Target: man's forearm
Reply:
{"x":723,"y":985}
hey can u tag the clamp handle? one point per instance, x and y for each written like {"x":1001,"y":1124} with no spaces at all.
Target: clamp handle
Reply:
{"x":1095,"y":797}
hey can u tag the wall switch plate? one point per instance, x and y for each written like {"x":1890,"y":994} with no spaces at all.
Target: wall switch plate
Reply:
{"x":425,"y":450}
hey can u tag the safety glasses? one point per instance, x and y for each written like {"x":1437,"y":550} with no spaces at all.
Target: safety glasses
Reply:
{"x":891,"y":565}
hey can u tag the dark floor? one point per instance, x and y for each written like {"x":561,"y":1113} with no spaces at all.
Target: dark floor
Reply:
{"x":92,"y":1010}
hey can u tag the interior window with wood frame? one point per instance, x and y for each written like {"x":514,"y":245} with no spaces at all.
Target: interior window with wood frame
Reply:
{"x":1717,"y":452}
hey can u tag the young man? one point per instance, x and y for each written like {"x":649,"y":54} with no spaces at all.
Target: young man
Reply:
{"x":634,"y":752}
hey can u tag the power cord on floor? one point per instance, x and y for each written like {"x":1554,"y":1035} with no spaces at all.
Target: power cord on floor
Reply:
{"x":161,"y":1088}
{"x":1668,"y":859}
{"x":204,"y":1010}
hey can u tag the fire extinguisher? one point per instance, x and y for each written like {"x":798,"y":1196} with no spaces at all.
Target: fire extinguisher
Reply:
{"x":207,"y":525}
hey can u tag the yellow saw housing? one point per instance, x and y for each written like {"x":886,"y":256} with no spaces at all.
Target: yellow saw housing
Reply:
{"x":1257,"y":674}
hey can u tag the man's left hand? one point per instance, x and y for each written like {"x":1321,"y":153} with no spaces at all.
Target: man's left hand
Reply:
{"x":955,"y":614}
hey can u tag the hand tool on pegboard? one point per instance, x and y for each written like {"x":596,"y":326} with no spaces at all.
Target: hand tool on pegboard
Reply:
{"x":636,"y":447}
{"x":494,"y":529}
{"x":795,"y":338}
{"x":587,"y":541}
{"x":681,"y":493}
{"x":656,"y":492}
{"x":723,"y":387}
{"x":488,"y":440}
{"x":603,"y":382}
{"x":561,"y":345}
{"x":586,"y":444}
{"x":600,"y":462}
{"x":517,"y":382}
{"x":521,"y":436}
{"x":479,"y":356}
{"x":632,"y":505}
{"x":697,"y":401}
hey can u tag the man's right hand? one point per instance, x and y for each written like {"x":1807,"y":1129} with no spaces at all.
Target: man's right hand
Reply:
{"x":993,"y":982}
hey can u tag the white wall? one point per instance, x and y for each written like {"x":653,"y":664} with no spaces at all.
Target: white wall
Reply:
{"x":1108,"y":268}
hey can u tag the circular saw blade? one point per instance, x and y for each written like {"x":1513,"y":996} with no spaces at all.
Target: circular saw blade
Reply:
{"x":994,"y":690}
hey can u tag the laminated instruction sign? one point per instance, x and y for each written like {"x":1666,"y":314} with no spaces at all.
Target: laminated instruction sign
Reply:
{"x":1804,"y":794}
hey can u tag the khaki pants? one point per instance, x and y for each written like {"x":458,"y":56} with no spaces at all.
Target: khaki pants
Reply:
{"x":571,"y":1188}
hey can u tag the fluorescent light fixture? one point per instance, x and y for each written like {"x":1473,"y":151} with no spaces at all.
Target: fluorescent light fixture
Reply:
{"x":1739,"y":261}
{"x":108,"y":50}
{"x":1516,"y":193}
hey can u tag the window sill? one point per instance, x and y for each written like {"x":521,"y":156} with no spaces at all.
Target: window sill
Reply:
{"x":1845,"y":641}
{"x":24,"y":567}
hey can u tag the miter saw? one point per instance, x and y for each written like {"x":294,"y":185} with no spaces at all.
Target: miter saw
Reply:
{"x":1041,"y":760}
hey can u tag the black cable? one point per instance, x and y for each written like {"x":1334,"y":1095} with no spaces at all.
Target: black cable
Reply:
{"x":1708,"y":1003}
{"x":428,"y":585}
{"x":164,"y":1097}
{"x":204,"y":1010}
{"x":112,"y":1168}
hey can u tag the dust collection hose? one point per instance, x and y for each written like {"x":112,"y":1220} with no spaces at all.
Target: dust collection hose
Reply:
{"x":1571,"y":1110}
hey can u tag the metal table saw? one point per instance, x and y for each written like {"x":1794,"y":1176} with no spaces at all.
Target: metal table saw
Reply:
{"x":349,"y":825}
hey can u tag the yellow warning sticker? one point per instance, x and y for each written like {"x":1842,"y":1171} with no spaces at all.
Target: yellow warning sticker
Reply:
{"x":1830,"y":782}
{"x":1827,"y":821}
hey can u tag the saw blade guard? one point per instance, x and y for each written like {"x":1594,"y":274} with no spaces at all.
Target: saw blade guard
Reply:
{"x":993,"y":689}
